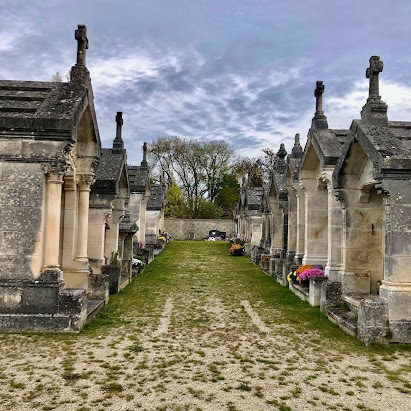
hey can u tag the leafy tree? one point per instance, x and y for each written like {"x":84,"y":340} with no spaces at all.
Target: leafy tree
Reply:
{"x":227,"y":196}
{"x":256,"y":171}
{"x":175,"y":206}
{"x":196,"y":167}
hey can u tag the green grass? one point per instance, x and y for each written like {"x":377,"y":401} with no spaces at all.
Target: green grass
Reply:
{"x":164,"y":273}
{"x":207,"y":288}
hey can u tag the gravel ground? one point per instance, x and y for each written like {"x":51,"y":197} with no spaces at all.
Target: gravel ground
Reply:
{"x":201,"y":330}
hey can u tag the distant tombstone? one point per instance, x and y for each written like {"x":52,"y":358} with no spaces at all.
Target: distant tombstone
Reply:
{"x":191,"y":233}
{"x":217,"y":233}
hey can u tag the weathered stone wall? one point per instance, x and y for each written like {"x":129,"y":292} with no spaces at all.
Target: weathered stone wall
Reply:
{"x":180,"y":228}
{"x":21,"y":201}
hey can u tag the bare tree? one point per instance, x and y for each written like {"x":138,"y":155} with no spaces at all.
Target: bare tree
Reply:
{"x":56,"y":78}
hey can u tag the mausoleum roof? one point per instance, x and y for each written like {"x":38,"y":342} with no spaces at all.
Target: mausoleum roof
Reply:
{"x":109,"y":171}
{"x":253,"y":197}
{"x":40,"y":106}
{"x":392,"y":144}
{"x":157,"y":197}
{"x":138,"y":177}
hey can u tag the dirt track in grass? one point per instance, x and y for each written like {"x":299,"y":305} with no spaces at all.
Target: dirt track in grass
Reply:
{"x":201,"y":330}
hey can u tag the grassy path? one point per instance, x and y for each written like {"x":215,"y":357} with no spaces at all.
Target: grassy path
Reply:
{"x":201,"y":330}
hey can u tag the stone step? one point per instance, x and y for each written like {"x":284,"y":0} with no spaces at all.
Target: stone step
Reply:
{"x":353,"y":301}
{"x":346,"y":320}
{"x":93,"y":308}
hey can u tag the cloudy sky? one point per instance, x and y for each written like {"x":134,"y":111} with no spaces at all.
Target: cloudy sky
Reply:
{"x":238,"y":70}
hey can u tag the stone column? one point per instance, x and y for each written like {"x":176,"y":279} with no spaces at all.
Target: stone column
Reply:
{"x":316,"y":226}
{"x":96,"y":238}
{"x":300,"y":221}
{"x":112,"y":235}
{"x":396,"y":286}
{"x":334,"y":236}
{"x":84,"y":183}
{"x":52,"y":244}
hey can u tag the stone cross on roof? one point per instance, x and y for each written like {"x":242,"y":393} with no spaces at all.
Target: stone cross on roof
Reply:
{"x":318,"y":94}
{"x":320,"y":120}
{"x":119,"y":121}
{"x":376,"y":67}
{"x":118,"y":144}
{"x":144,"y":162}
{"x":82,"y":44}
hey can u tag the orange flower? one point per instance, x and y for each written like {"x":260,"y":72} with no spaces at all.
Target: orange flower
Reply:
{"x":302,"y":268}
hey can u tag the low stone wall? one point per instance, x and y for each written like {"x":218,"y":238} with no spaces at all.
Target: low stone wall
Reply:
{"x":196,"y":229}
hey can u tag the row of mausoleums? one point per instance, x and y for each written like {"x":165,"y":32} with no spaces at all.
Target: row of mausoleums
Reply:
{"x":73,"y":215}
{"x":343,"y":203}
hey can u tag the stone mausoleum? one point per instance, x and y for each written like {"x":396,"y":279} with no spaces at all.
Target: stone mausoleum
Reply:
{"x":347,"y":210}
{"x":66,"y":220}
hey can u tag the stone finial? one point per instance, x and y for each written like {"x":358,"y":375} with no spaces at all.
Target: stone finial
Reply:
{"x":118,"y":144}
{"x":82,"y":44}
{"x":375,"y":110}
{"x":320,"y":120}
{"x":297,"y":150}
{"x":372,"y":73}
{"x":281,"y":153}
{"x":144,"y":162}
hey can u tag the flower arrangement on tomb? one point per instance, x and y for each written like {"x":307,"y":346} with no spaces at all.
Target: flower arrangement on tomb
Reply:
{"x":294,"y":277}
{"x":236,"y":249}
{"x":277,"y":254}
{"x":267,"y":258}
{"x":162,"y":238}
{"x":307,"y":274}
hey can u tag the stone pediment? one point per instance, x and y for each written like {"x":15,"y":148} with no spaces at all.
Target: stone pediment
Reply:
{"x":388,"y":148}
{"x":328,"y":145}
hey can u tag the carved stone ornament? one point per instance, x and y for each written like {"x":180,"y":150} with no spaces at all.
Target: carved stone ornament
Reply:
{"x":56,"y":171}
{"x":85,"y":181}
{"x":70,"y":154}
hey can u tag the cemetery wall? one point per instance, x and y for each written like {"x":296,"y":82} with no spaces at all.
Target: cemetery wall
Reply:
{"x":180,"y":228}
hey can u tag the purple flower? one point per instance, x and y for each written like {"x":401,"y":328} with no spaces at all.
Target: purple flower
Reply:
{"x":307,"y":274}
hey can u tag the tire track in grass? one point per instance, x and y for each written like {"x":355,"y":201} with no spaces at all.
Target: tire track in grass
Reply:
{"x":255,"y":318}
{"x":165,"y":318}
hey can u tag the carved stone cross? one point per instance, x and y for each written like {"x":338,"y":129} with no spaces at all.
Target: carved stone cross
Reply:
{"x":145,"y":152}
{"x":318,"y":94}
{"x":119,"y":121}
{"x":372,"y":73}
{"x":82,"y":44}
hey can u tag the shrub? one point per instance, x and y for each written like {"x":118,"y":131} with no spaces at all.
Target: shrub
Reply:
{"x":114,"y":259}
